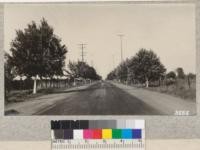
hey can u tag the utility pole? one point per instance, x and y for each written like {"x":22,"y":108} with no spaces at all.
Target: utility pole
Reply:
{"x":82,"y":51}
{"x":121,"y":44}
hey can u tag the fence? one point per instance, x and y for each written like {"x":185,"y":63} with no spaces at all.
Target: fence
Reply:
{"x":45,"y":83}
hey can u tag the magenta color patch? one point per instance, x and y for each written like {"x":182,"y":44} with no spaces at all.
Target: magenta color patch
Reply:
{"x":87,"y":134}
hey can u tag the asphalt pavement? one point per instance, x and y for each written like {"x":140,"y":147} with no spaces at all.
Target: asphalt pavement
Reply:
{"x":101,"y":98}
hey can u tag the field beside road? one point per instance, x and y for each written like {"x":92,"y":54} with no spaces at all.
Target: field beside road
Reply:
{"x":180,"y":88}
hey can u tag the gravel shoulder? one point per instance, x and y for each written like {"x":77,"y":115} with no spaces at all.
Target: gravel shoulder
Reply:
{"x":164,"y":103}
{"x":41,"y":103}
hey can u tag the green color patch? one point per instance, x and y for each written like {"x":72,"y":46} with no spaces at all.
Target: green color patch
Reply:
{"x":116,"y":134}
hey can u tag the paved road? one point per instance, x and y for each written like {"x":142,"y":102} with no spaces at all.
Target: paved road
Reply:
{"x":104,"y":98}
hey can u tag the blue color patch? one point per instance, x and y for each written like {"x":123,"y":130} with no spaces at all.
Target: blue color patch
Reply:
{"x":137,"y":133}
{"x":126,"y":134}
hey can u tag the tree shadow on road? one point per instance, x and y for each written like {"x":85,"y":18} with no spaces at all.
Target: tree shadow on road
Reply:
{"x":90,"y":89}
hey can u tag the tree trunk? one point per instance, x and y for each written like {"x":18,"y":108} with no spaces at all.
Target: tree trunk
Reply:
{"x":159,"y":83}
{"x":50,"y":84}
{"x":147,"y":83}
{"x":35,"y":86}
{"x":58,"y":83}
{"x":188,"y":82}
{"x":74,"y":84}
{"x":65,"y":83}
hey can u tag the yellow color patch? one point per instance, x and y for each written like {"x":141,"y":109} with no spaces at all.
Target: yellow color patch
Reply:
{"x":107,"y":133}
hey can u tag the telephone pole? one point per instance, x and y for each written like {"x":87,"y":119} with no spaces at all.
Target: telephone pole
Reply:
{"x":82,"y":50}
{"x":121,"y":44}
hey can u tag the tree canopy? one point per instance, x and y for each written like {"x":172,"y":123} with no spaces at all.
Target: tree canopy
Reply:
{"x":82,"y":69}
{"x":180,"y":73}
{"x":145,"y":66}
{"x":171,"y":75}
{"x":36,"y":50}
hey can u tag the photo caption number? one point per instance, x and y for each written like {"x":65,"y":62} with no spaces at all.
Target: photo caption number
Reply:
{"x":182,"y":113}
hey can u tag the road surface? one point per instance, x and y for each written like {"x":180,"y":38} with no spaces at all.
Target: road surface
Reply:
{"x":104,"y":98}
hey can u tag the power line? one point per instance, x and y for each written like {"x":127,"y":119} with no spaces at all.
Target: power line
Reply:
{"x":82,"y":51}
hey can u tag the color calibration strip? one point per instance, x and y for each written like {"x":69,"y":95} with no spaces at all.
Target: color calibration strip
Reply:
{"x":102,"y":134}
{"x":97,"y":134}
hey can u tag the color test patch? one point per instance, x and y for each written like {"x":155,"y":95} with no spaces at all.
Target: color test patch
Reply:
{"x":136,"y":133}
{"x":87,"y":134}
{"x":139,"y":124}
{"x":91,"y":129}
{"x":68,"y":134}
{"x":78,"y":134}
{"x":59,"y":134}
{"x":116,"y":133}
{"x":106,"y":133}
{"x":126,"y":134}
{"x":97,"y":134}
{"x":97,"y":124}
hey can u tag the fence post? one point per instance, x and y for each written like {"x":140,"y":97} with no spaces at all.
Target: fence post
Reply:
{"x":188,"y":78}
{"x":35,"y":86}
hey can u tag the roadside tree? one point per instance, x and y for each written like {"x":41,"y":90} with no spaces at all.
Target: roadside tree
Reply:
{"x":37,"y":51}
{"x":180,"y":73}
{"x":82,"y":69}
{"x":146,"y":67}
{"x":171,"y":75}
{"x":9,"y":74}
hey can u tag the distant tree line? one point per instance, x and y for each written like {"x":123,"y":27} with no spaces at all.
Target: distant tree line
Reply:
{"x":82,"y":69}
{"x":145,"y":68}
{"x":172,"y":76}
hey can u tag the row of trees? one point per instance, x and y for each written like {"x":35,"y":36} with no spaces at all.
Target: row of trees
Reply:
{"x":180,"y":74}
{"x":144,"y":68}
{"x":83,"y":70}
{"x":36,"y":52}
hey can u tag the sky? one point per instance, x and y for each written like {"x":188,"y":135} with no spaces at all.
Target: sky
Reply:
{"x":167,"y":29}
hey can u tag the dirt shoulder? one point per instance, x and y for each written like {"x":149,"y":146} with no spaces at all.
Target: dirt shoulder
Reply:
{"x":165,"y":103}
{"x":41,"y":102}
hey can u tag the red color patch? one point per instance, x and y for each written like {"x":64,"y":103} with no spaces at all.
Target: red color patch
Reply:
{"x":97,"y":134}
